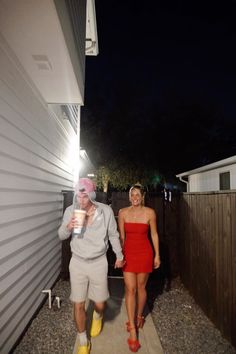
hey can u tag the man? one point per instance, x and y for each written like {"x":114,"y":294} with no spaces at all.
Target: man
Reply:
{"x":88,"y":266}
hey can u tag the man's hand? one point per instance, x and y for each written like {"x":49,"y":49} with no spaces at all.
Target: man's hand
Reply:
{"x":70,"y":226}
{"x":119,"y":263}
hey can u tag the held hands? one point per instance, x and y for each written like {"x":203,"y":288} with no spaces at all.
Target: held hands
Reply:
{"x":157,"y":262}
{"x":119,"y":264}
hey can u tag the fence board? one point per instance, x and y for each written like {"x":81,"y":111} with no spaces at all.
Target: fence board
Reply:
{"x":227,"y":266}
{"x":212,"y":257}
{"x":208,"y":256}
{"x":233,"y":232}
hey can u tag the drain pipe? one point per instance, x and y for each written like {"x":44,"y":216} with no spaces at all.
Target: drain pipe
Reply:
{"x":184,"y":181}
{"x":58,"y":300}
{"x":49,"y":292}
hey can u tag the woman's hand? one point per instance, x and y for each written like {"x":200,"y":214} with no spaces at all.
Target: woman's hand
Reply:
{"x":119,"y":264}
{"x":157,"y":262}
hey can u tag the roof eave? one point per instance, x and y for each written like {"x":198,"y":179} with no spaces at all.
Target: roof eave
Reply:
{"x":226,"y":162}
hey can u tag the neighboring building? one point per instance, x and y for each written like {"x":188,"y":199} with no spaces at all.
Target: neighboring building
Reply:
{"x":42,"y":73}
{"x":220,"y":175}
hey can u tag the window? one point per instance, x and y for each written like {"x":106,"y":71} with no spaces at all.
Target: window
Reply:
{"x":224,"y":181}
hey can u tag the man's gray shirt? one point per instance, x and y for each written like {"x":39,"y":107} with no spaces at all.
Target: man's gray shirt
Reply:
{"x":93,"y":241}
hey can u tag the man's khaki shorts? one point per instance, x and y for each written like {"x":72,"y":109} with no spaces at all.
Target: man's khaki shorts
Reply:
{"x":89,"y":279}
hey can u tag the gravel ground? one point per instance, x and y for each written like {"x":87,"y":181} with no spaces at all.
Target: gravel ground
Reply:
{"x":53,"y":330}
{"x":181,"y":325}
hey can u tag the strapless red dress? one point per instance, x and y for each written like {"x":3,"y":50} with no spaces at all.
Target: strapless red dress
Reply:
{"x":138,"y":251}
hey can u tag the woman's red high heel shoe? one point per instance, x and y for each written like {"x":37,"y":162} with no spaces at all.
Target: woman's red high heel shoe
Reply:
{"x":140,"y":321}
{"x":134,"y":345}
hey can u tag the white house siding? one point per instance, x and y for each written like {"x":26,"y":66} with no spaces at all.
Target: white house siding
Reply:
{"x":34,"y":169}
{"x":75,"y":41}
{"x":209,"y":180}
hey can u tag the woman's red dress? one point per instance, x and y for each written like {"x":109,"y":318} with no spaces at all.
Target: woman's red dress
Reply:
{"x":138,"y":251}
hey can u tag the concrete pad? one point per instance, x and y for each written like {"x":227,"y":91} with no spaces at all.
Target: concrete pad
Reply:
{"x":113,"y":338}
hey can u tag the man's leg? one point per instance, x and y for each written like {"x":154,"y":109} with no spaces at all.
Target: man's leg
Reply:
{"x":99,"y":307}
{"x":80,"y":316}
{"x":80,"y":320}
{"x":79,"y":285}
{"x":97,"y":318}
{"x":98,"y":292}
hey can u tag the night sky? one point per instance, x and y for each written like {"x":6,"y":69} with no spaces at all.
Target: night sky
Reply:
{"x":161,"y":92}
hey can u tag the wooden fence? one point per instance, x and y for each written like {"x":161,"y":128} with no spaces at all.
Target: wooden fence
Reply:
{"x":207,"y":241}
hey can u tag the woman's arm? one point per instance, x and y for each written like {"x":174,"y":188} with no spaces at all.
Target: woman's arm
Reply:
{"x":121,"y":222}
{"x":155,"y":238}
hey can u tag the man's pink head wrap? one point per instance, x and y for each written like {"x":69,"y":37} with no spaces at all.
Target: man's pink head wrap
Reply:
{"x":86,"y":186}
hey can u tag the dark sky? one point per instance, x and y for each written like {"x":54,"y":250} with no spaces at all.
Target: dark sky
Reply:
{"x":161,"y":92}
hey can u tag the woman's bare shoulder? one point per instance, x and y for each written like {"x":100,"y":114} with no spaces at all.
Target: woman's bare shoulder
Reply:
{"x":150,"y":211}
{"x":123,"y":211}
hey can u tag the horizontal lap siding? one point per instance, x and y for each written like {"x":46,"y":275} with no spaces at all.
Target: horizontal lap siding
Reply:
{"x":210,"y":180}
{"x":34,"y":169}
{"x":208,"y":255}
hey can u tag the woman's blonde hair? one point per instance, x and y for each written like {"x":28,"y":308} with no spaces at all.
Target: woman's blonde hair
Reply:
{"x":140,"y":188}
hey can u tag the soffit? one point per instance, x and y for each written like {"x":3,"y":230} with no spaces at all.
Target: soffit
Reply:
{"x":33,"y":31}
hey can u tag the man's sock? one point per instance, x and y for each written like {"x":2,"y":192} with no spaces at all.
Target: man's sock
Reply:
{"x":97,"y":315}
{"x":83,"y":338}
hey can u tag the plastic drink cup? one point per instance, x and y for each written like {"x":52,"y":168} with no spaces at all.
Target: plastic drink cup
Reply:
{"x":80,"y":217}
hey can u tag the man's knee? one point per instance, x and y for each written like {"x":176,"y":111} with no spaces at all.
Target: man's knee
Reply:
{"x":79,"y":306}
{"x":99,"y":306}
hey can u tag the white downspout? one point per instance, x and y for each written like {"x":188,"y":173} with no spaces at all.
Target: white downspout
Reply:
{"x":77,"y":152}
{"x":186,"y":182}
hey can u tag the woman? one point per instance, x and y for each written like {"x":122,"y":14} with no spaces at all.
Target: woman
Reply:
{"x":134,"y":223}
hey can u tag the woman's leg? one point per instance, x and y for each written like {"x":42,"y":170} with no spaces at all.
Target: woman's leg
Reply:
{"x":130,"y":300}
{"x":142,"y":279}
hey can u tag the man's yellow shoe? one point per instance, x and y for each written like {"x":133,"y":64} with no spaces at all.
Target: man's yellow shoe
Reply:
{"x":96,"y":327}
{"x":84,"y":349}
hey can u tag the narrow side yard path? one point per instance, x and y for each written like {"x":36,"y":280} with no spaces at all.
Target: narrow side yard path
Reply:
{"x":181,"y":325}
